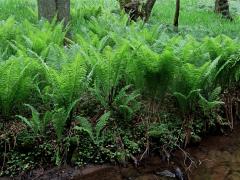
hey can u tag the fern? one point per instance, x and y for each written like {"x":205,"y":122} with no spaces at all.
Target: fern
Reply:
{"x":17,"y":82}
{"x":59,"y":122}
{"x":8,"y":32}
{"x":127,"y":103}
{"x":108,"y":75}
{"x":94,"y":132}
{"x":68,"y":84}
{"x":37,"y":124}
{"x":86,"y":126}
{"x":60,"y":118}
{"x":102,"y":122}
{"x":151,"y":72}
{"x":228,"y":68}
{"x":39,"y":38}
{"x":208,"y":105}
{"x":186,"y":102}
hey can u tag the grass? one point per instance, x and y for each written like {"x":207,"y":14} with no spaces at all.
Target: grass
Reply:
{"x":196,"y":18}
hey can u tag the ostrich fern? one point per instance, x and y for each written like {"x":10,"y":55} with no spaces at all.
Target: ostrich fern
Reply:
{"x":17,"y":82}
{"x":95,"y":133}
{"x":8,"y":32}
{"x":37,"y":124}
{"x":67,"y":85}
{"x":38,"y":38}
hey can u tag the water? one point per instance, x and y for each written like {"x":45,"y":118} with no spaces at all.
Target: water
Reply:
{"x":218,"y":158}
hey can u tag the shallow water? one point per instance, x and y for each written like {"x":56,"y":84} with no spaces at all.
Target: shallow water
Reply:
{"x":218,"y":158}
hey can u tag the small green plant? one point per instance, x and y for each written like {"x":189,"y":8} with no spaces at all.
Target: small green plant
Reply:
{"x":61,"y":118}
{"x":94,"y":132}
{"x":18,"y":162}
{"x":212,"y":102}
{"x":187,"y":105}
{"x":37,"y":124}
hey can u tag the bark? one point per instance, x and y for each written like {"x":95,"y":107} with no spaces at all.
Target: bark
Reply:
{"x":122,"y":3}
{"x":222,"y":7}
{"x":46,"y":9}
{"x":176,"y":17}
{"x":50,"y":8}
{"x":133,"y":8}
{"x":148,"y":8}
{"x":63,"y":10}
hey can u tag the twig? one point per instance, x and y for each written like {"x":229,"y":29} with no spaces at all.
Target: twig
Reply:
{"x":187,"y":157}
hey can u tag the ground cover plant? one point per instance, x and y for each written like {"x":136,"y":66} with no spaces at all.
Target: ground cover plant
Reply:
{"x":106,"y":89}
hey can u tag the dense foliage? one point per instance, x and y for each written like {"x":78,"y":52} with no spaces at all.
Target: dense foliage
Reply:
{"x":110,"y":90}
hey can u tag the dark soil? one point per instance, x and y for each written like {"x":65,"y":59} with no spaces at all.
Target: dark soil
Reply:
{"x":215,"y":158}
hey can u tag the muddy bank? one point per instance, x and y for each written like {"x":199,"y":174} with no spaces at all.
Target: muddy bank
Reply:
{"x":148,"y":170}
{"x":215,"y":158}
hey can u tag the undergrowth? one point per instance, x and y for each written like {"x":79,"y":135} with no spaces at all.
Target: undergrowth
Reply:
{"x":114,"y":91}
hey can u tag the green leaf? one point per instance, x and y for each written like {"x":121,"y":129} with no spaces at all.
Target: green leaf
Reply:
{"x":86,"y":126}
{"x":102,"y":122}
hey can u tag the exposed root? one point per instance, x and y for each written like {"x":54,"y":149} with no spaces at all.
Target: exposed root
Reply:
{"x":187,"y":157}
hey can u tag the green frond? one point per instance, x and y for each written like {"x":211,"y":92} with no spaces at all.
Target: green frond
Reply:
{"x":36,"y":123}
{"x":59,"y":120}
{"x":17,"y":81}
{"x":102,"y":122}
{"x":85,"y":126}
{"x":68,"y":84}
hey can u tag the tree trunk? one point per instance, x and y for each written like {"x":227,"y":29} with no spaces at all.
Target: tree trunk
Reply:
{"x":176,"y":17}
{"x":148,"y":8}
{"x":49,"y":8}
{"x":136,"y":9}
{"x":46,"y":9}
{"x":222,"y":7}
{"x":122,"y":3}
{"x":63,"y":10}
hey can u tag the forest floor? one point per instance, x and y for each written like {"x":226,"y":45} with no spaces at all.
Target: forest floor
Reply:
{"x":217,"y":157}
{"x":119,"y":91}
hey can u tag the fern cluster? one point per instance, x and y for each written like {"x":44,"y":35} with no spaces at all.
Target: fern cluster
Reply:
{"x":115,"y":69}
{"x":18,"y":75}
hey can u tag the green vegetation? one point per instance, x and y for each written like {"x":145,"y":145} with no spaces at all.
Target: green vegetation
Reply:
{"x":113,"y":88}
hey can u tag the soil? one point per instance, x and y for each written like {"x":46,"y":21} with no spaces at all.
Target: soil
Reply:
{"x":215,"y":158}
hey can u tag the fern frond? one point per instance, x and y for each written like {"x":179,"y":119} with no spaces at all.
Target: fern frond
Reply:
{"x":59,"y":121}
{"x":102,"y":122}
{"x":85,"y":126}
